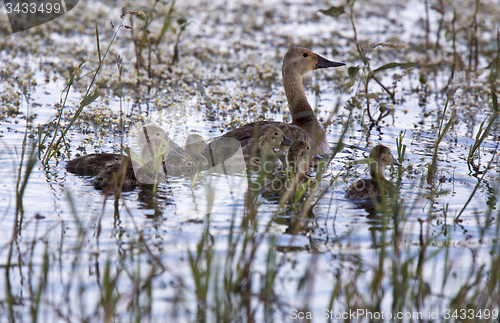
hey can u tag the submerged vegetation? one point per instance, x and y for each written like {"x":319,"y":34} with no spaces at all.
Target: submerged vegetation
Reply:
{"x":424,"y":81}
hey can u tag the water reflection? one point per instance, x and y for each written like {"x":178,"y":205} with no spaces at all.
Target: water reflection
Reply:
{"x":156,"y":200}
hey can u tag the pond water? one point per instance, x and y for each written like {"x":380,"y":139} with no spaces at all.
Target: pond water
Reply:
{"x":189,"y":251}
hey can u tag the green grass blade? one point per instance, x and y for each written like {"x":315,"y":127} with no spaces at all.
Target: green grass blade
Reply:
{"x":90,"y":98}
{"x":166,"y":24}
{"x":98,"y":44}
{"x":445,"y":130}
{"x":394,"y":65}
{"x":485,"y":133}
{"x":494,"y":100}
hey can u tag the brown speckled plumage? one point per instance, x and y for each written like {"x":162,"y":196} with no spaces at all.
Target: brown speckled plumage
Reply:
{"x":363,"y":189}
{"x":114,"y":171}
{"x":265,"y":146}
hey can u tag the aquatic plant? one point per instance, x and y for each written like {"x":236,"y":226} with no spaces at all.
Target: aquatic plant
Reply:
{"x":431,"y":249}
{"x":89,"y":97}
{"x":364,"y":50}
{"x":141,"y":35}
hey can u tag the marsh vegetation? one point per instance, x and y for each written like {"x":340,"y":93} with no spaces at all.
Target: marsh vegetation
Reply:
{"x":421,"y":78}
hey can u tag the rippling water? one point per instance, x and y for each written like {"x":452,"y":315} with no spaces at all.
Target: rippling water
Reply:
{"x":67,"y":232}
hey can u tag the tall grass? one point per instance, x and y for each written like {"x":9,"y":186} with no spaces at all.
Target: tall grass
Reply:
{"x":70,"y":273}
{"x":364,"y":49}
{"x":89,"y":97}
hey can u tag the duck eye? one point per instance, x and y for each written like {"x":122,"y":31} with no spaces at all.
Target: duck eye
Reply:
{"x":305,"y":54}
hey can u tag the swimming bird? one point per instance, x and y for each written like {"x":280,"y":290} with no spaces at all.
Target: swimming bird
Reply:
{"x":305,"y":126}
{"x":266,"y":146}
{"x":189,"y":159}
{"x":300,"y":154}
{"x":114,"y":170}
{"x":363,"y":189}
{"x":92,"y":164}
{"x":299,"y":157}
{"x":194,"y":145}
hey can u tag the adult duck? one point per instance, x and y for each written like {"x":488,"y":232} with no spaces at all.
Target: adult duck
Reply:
{"x":305,"y":126}
{"x":364,"y":189}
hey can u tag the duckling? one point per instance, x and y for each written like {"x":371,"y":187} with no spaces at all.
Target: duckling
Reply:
{"x":187,"y":160}
{"x":363,"y":189}
{"x":155,"y":149}
{"x":266,"y":147}
{"x":112,"y":177}
{"x":300,"y":155}
{"x":108,"y":168}
{"x":193,"y":146}
{"x":153,"y":140}
{"x":105,"y":167}
{"x":305,"y":126}
{"x":92,"y":164}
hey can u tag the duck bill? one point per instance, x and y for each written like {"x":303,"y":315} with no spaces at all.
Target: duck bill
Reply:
{"x":324,"y":63}
{"x":286,"y":141}
{"x":395,"y":162}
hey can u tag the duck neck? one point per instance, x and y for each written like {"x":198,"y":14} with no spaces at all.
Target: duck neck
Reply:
{"x":266,"y":149}
{"x":377,"y":170}
{"x":302,"y":114}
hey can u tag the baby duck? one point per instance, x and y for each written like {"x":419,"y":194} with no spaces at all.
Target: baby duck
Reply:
{"x":92,"y":164}
{"x":113,"y":170}
{"x":267,"y":146}
{"x":112,"y":177}
{"x":300,"y":157}
{"x":189,"y":158}
{"x":363,"y":189}
{"x":193,"y":146}
{"x":300,"y":154}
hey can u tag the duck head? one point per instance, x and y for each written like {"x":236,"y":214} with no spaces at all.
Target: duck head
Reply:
{"x":300,"y":153}
{"x":298,"y":150}
{"x":301,"y":60}
{"x":153,"y":135}
{"x":380,"y":157}
{"x":271,"y":138}
{"x":195,"y":144}
{"x":154,"y":141}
